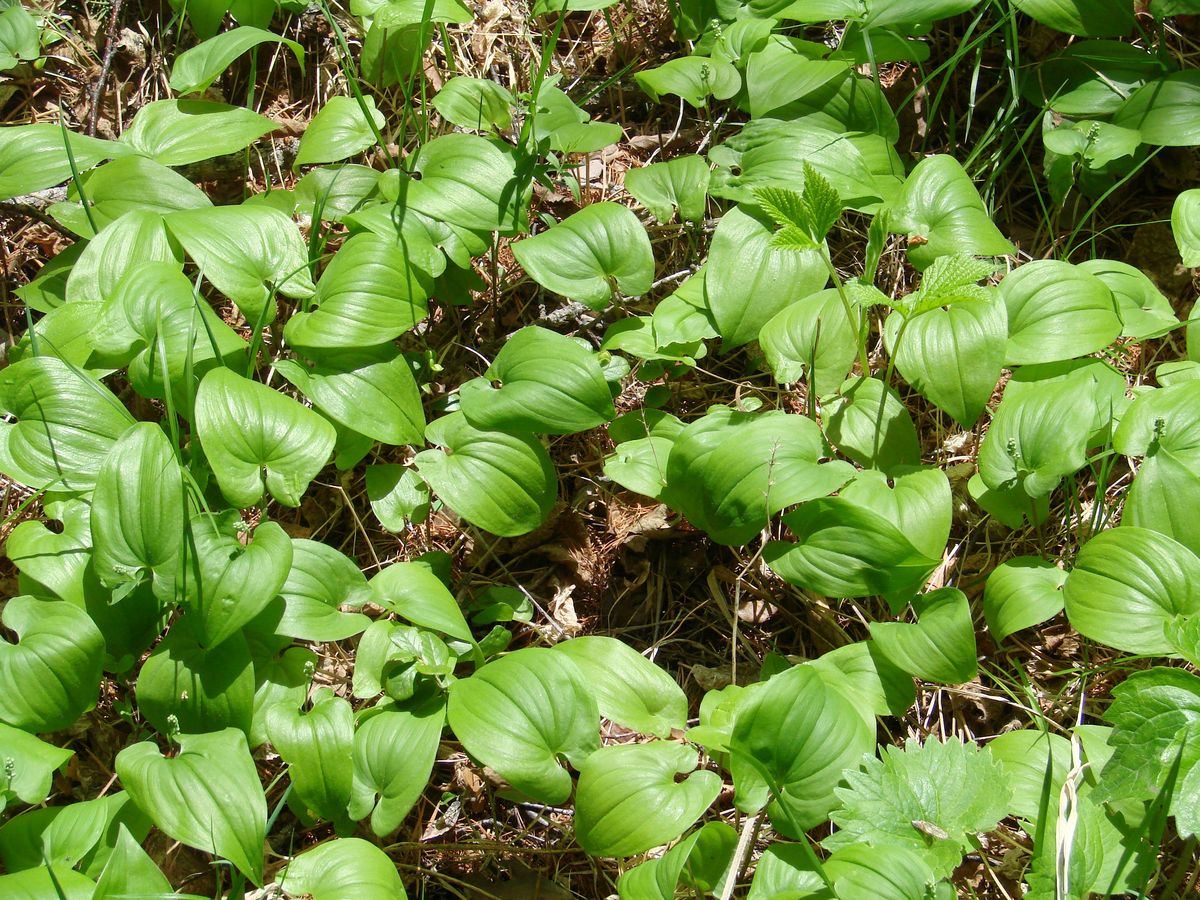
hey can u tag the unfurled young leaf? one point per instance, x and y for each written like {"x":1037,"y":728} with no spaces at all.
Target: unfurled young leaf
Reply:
{"x":341,"y":869}
{"x":208,"y":796}
{"x":951,"y":279}
{"x":338,"y":130}
{"x":930,"y":797}
{"x":807,"y":215}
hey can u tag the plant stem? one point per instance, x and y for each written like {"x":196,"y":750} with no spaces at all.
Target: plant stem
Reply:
{"x":855,"y":321}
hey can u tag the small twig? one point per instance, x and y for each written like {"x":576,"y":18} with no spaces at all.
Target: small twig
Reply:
{"x":110,"y":46}
{"x":745,"y":842}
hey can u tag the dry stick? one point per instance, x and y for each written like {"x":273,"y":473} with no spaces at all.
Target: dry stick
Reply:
{"x":110,"y":46}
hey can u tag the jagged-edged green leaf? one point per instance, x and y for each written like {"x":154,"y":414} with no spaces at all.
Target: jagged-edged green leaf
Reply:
{"x":321,"y":581}
{"x":940,"y":211}
{"x":139,"y":510}
{"x":502,"y":483}
{"x":812,"y":336}
{"x":630,"y":798}
{"x":1128,"y":583}
{"x":518,"y":713}
{"x":394,"y":751}
{"x":1021,"y":592}
{"x":939,"y":646}
{"x":368,"y":294}
{"x":339,"y":129}
{"x":344,"y":869}
{"x":208,"y":796}
{"x":792,"y":739}
{"x":541,"y":382}
{"x":51,"y":674}
{"x":730,"y":471}
{"x":748,"y":280}
{"x":34,"y":157}
{"x":248,"y":252}
{"x":257,"y":440}
{"x":181,"y":132}
{"x":679,"y":184}
{"x":317,"y":747}
{"x":1164,"y":110}
{"x":868,"y":422}
{"x":65,"y":424}
{"x":371,"y":390}
{"x":185,"y":687}
{"x":414,"y":591}
{"x":590,"y":255}
{"x":197,"y":67}
{"x":929,"y":797}
{"x":1056,"y":311}
{"x":29,"y":765}
{"x":475,"y":103}
{"x":693,"y":78}
{"x":629,"y":689}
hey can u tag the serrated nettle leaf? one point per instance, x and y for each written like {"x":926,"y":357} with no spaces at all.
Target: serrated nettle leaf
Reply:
{"x":139,"y":511}
{"x":369,"y":293}
{"x":394,"y":752}
{"x":321,"y":581}
{"x":1144,"y":311}
{"x":954,"y":356}
{"x":679,"y":184}
{"x":1056,"y":311}
{"x":813,"y":212}
{"x":181,"y":132}
{"x":184,"y":687}
{"x":591,"y":255}
{"x":693,"y":78}
{"x":1022,"y":592}
{"x":748,"y":281}
{"x":248,"y":253}
{"x":257,"y":440}
{"x":940,"y":211}
{"x":792,"y":740}
{"x":730,"y":471}
{"x":414,"y":591}
{"x":630,"y":800}
{"x":225,"y":583}
{"x":502,"y":483}
{"x":955,"y":789}
{"x":338,"y":130}
{"x":475,"y":103}
{"x":1164,"y":110}
{"x":197,"y":67}
{"x":33,"y":157}
{"x":698,"y":861}
{"x":520,"y":712}
{"x":1185,"y":225}
{"x":342,"y":869}
{"x":1126,"y":585}
{"x":541,"y":382}
{"x":868,"y":422}
{"x":29,"y":765}
{"x":317,"y":747}
{"x":1037,"y":437}
{"x":370,"y":390}
{"x":843,"y":549}
{"x":208,"y":796}
{"x":65,"y":424}
{"x":629,"y":689}
{"x":939,"y":646}
{"x":51,"y":674}
{"x":127,"y":183}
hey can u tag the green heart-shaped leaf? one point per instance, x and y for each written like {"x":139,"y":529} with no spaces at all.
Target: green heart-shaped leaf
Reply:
{"x":812,"y":336}
{"x":520,"y":712}
{"x":1056,"y":311}
{"x":475,"y":103}
{"x":869,"y":423}
{"x":939,"y":646}
{"x":33,"y":157}
{"x":588,"y":256}
{"x":338,"y":130}
{"x":317,"y":746}
{"x":542,"y":382}
{"x":630,"y":799}
{"x":203,"y":689}
{"x":1164,"y":110}
{"x":413,"y":590}
{"x":344,"y":869}
{"x":182,"y":132}
{"x":320,"y":582}
{"x":208,"y":796}
{"x":694,"y":78}
{"x":52,"y":674}
{"x":257,"y":440}
{"x":1022,"y":592}
{"x":31,"y":763}
{"x":197,"y":67}
{"x":664,"y":187}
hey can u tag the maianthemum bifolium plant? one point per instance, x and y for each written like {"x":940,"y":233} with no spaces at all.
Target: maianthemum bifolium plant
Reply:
{"x":191,"y":369}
